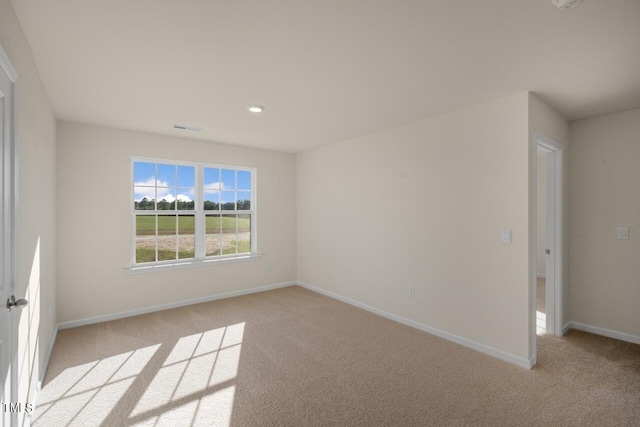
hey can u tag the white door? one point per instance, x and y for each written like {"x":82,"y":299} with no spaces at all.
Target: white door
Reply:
{"x":7,"y":334}
{"x":5,"y":291}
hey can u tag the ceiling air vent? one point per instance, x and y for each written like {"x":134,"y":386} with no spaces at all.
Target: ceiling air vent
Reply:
{"x":566,"y":4}
{"x":185,"y":127}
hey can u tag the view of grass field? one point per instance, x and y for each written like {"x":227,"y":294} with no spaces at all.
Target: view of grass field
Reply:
{"x":146,"y":224}
{"x":225,"y":235}
{"x":149,"y":255}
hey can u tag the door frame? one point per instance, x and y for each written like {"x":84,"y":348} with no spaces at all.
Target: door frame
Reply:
{"x":10,"y":209}
{"x":554,"y":213}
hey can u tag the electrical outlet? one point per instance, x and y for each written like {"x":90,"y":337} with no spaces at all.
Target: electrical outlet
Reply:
{"x":412,"y":292}
{"x":623,"y":233}
{"x":50,"y":310}
{"x":269,"y":266}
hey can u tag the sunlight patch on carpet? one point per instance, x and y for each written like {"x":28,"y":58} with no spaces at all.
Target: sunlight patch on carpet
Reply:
{"x":212,"y":410}
{"x":191,"y":383}
{"x":191,"y":386}
{"x":86,"y":394}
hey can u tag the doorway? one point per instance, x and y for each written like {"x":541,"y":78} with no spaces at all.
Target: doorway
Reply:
{"x":548,"y":266}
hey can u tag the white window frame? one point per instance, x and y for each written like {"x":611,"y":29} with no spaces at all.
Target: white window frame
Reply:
{"x":199,"y":214}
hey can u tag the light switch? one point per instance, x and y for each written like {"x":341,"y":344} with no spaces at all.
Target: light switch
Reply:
{"x":505,"y":236}
{"x":623,"y":233}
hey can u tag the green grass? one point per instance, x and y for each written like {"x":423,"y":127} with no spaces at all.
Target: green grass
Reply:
{"x":146,"y":224}
{"x":149,"y":255}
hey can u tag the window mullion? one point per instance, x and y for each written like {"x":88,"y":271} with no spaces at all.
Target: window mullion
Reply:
{"x":176,"y":238}
{"x":199,"y":217}
{"x":156,"y":235}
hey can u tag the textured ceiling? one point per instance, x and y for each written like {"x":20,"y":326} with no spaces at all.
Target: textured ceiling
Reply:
{"x":326,"y":70}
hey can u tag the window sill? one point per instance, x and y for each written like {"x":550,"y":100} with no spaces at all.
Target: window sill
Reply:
{"x":180,"y":265}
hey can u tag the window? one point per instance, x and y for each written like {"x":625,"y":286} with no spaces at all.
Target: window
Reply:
{"x":191,"y":211}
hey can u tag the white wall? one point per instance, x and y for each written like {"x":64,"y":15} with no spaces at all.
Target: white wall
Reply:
{"x":605,"y":194}
{"x":423,"y":205}
{"x":94,"y":222}
{"x":542,"y":211}
{"x":36,"y":130}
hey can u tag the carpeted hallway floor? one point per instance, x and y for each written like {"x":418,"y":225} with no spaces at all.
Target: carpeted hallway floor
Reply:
{"x":291,"y":357}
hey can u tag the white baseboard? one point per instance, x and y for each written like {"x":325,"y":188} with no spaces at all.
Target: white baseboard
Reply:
{"x":144,"y":310}
{"x":566,"y":327}
{"x":507,"y":357}
{"x":622,"y":336}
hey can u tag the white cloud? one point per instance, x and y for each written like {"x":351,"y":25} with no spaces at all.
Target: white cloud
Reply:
{"x":217,"y":186}
{"x":144,"y":192}
{"x":149,"y":182}
{"x":145,"y":189}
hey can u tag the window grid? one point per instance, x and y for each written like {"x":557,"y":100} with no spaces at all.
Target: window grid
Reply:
{"x":235,"y":218}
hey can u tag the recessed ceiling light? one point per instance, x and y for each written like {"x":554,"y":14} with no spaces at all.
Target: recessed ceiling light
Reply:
{"x":185,"y":127}
{"x":255,"y":108}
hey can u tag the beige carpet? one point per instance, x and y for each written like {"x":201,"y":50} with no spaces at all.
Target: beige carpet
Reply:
{"x":291,"y":357}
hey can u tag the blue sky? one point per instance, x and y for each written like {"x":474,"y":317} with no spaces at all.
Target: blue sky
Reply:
{"x":217,"y":182}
